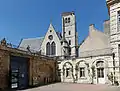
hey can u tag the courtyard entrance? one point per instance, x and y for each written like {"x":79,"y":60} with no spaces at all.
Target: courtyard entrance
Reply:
{"x":19,"y":72}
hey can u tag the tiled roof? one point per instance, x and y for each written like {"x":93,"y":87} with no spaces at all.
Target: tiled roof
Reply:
{"x":33,"y":43}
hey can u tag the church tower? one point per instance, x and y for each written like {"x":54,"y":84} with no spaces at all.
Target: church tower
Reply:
{"x":69,"y":32}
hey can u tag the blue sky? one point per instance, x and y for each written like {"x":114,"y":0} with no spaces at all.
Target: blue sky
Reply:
{"x":31,"y":18}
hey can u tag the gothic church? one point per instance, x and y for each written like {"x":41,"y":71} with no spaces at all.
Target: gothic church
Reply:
{"x":96,"y":60}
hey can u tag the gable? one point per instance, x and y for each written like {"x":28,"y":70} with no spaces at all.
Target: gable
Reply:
{"x":95,"y":40}
{"x":51,"y":32}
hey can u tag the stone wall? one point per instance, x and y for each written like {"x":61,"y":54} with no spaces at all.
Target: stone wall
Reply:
{"x":4,"y":69}
{"x":42,"y":70}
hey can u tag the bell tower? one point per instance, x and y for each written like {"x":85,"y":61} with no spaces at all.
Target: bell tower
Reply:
{"x":69,"y":32}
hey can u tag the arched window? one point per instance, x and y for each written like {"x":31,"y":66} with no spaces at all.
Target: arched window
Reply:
{"x":48,"y":48}
{"x":100,"y":69}
{"x":53,"y":48}
{"x":67,"y":70}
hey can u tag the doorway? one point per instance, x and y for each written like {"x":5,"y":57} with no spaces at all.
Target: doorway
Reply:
{"x":19,"y":72}
{"x":100,"y":72}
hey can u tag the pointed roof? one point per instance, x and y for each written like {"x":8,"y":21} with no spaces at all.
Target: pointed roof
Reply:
{"x":95,"y":40}
{"x":51,"y":27}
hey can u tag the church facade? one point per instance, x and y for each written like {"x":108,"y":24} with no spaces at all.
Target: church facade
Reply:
{"x":96,"y":60}
{"x":56,"y":44}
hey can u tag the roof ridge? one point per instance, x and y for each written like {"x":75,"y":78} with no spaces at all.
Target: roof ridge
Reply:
{"x":33,"y":38}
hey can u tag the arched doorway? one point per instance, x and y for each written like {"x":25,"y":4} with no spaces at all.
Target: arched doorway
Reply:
{"x":100,"y":72}
{"x":68,"y":72}
{"x":82,"y":71}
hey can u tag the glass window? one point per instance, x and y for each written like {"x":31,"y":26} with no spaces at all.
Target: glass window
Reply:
{"x":48,"y":48}
{"x":53,"y":48}
{"x":82,"y":72}
{"x":50,"y":37}
{"x":69,"y":42}
{"x":118,"y":20}
{"x":100,"y":64}
{"x":67,"y":72}
{"x":69,"y":32}
{"x":100,"y":72}
{"x":65,"y":20}
{"x":100,"y":69}
{"x":69,"y":51}
{"x":69,"y":20}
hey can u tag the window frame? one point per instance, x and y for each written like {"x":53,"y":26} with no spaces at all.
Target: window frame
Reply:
{"x":67,"y":72}
{"x":100,"y":69}
{"x":69,"y":42}
{"x":68,"y":20}
{"x":82,"y":72}
{"x":69,"y":32}
{"x":53,"y":48}
{"x":48,"y":51}
{"x":100,"y":72}
{"x":118,"y":20}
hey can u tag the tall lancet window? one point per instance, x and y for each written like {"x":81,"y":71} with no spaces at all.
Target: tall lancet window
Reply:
{"x":118,"y":20}
{"x":53,"y":48}
{"x":48,"y":48}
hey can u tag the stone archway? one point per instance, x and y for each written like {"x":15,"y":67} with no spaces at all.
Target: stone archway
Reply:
{"x":68,"y":72}
{"x":82,"y":70}
{"x":98,"y":71}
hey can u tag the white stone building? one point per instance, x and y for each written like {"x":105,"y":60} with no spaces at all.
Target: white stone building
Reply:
{"x":95,"y":56}
{"x":99,"y":54}
{"x":96,"y":60}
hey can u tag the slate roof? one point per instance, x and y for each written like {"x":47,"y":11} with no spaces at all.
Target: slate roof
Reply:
{"x":33,"y":43}
{"x":59,"y":35}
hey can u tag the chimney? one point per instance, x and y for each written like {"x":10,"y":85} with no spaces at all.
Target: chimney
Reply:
{"x":91,"y":28}
{"x":106,"y":25}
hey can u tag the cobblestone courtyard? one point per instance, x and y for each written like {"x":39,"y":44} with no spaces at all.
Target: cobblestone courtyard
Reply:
{"x":75,"y":87}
